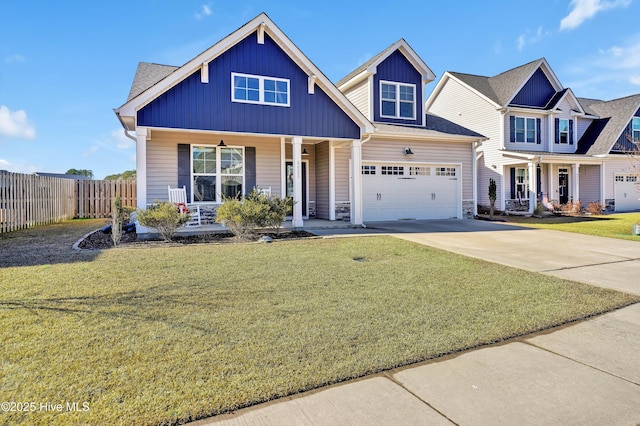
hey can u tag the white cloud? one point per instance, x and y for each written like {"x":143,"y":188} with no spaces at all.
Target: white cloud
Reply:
{"x":205,"y":10}
{"x":611,"y":73}
{"x":17,"y":168}
{"x":15,"y":124}
{"x":116,"y":141}
{"x":528,"y":38}
{"x":12,"y":59}
{"x":586,"y":9}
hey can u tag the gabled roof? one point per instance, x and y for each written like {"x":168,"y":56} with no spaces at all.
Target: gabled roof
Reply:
{"x":369,"y":67}
{"x":147,"y":75}
{"x":165,"y":78}
{"x":502,"y":88}
{"x":604,"y":132}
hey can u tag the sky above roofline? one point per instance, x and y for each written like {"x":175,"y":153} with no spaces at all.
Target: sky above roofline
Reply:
{"x":65,"y":66}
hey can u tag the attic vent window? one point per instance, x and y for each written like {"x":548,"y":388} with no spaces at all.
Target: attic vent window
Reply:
{"x":255,"y":89}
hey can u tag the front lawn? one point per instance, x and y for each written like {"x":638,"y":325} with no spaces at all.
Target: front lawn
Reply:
{"x":612,"y":225}
{"x":165,"y":334}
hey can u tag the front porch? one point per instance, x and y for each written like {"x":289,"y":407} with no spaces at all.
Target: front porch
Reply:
{"x":552,"y":180}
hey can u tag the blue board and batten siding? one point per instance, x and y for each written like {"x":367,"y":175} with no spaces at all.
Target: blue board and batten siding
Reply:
{"x":536,"y":92}
{"x":194,"y":105}
{"x":396,"y":68}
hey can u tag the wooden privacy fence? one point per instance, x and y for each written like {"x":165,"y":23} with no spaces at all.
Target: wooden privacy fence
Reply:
{"x":31,"y":200}
{"x":95,"y":196}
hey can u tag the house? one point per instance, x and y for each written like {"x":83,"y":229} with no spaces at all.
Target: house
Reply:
{"x":254,"y":111}
{"x":544,"y":144}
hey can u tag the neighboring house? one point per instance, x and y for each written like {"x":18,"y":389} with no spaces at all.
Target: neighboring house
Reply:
{"x":254,"y":111}
{"x":545,"y":145}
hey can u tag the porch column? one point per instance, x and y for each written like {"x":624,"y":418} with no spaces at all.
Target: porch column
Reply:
{"x":576,"y":182}
{"x":141,"y":167}
{"x":356,"y":182}
{"x":533,"y":184}
{"x":332,"y":181}
{"x":297,"y":182}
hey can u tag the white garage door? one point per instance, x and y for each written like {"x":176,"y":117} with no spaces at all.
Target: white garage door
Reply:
{"x":627,"y":192}
{"x":401,"y":191}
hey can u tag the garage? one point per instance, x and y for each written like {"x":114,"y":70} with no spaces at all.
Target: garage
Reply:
{"x":627,"y":192}
{"x":410,"y":191}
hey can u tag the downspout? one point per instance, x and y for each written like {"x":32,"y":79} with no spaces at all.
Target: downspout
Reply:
{"x":124,"y":128}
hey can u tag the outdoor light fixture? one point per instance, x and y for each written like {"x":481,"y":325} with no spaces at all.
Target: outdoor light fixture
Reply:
{"x":304,"y":152}
{"x":222,"y":143}
{"x":407,"y":151}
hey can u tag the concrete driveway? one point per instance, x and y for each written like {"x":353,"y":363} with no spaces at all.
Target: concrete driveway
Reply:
{"x":605,"y":262}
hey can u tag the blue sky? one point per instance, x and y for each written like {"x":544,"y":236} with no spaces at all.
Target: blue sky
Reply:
{"x":65,"y":65}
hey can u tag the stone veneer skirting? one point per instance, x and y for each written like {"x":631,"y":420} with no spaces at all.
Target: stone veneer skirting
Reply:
{"x":467,"y":209}
{"x":343,"y":210}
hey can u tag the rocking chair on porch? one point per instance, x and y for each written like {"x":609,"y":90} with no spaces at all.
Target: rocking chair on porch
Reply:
{"x":178,"y":196}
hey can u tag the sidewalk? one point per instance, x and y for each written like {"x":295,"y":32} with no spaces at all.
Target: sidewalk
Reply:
{"x":586,"y":374}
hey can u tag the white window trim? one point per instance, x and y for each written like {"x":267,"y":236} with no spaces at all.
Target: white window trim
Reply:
{"x":261,"y":80}
{"x":560,"y":132}
{"x":397,"y":100}
{"x":218,"y":174}
{"x":525,"y":193}
{"x":635,"y":133}
{"x":515,"y":129}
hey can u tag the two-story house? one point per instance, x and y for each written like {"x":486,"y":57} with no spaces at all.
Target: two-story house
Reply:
{"x":545,"y":145}
{"x":254,"y":111}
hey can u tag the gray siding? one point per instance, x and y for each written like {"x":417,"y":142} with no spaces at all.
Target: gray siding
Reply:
{"x":589,"y":184}
{"x":343,"y":156}
{"x":322,"y":180}
{"x":359,"y":96}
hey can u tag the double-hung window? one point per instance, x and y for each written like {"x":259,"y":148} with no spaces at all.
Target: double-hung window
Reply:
{"x":256,"y":89}
{"x":636,"y":129}
{"x":216,"y":170}
{"x":525,"y":130}
{"x":397,"y":100}
{"x":563,"y":130}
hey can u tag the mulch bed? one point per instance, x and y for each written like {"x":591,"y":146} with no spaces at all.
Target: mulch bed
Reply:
{"x":99,"y":240}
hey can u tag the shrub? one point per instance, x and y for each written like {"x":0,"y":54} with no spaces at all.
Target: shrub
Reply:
{"x":164,"y":217}
{"x":257,"y":210}
{"x":595,"y":208}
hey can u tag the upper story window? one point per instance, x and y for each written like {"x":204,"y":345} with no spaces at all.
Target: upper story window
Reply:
{"x":255,"y":89}
{"x":397,"y":100}
{"x":525,"y":129}
{"x":563,"y":130}
{"x":636,"y":129}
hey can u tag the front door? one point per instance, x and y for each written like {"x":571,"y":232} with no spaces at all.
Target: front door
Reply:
{"x":563,"y":186}
{"x":304,"y":184}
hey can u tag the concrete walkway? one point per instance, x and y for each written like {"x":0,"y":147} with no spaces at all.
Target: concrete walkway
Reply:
{"x":584,"y":374}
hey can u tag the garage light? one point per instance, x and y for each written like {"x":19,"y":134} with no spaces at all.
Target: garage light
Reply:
{"x":407,"y":151}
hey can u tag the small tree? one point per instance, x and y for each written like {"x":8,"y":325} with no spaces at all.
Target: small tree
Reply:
{"x":164,"y":217}
{"x":117,"y":217}
{"x":492,"y":197}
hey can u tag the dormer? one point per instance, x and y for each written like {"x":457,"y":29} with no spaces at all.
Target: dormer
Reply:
{"x":389,"y":88}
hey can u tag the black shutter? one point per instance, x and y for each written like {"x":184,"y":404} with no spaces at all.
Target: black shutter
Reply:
{"x":184,"y":165}
{"x":512,"y":128}
{"x":513,"y":183}
{"x":538,"y":131}
{"x":571,"y":132}
{"x":249,"y":168}
{"x":557,"y":120}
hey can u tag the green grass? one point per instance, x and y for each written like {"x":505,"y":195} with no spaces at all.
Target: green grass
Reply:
{"x":165,"y":334}
{"x":611,"y":226}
